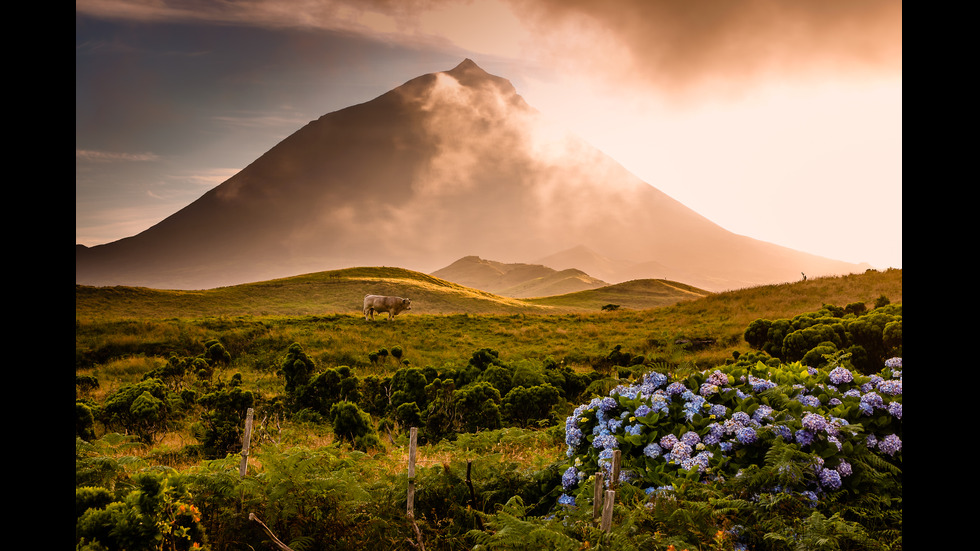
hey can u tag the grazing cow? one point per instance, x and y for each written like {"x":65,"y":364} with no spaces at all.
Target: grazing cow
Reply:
{"x":379,"y":304}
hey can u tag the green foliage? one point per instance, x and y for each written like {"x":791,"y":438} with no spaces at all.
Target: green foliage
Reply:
{"x":478,"y":406}
{"x":527,"y":406}
{"x":319,"y":496}
{"x":352,"y":425}
{"x":155,"y":514}
{"x":143,"y":408}
{"x":296,"y":368}
{"x":223,"y":419}
{"x":870,"y":336}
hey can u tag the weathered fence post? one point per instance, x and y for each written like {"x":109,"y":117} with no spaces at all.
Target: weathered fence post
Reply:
{"x":246,"y":440}
{"x":607,"y":511}
{"x":597,"y":496}
{"x":413,"y":436}
{"x":609,"y":498}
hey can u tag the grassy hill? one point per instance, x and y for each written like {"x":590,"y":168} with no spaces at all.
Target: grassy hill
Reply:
{"x":516,"y":280}
{"x":257,"y":322}
{"x":342,"y":292}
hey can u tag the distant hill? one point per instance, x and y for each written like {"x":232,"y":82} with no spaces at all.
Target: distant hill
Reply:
{"x":446,"y":165}
{"x":517,"y":280}
{"x":342,"y":292}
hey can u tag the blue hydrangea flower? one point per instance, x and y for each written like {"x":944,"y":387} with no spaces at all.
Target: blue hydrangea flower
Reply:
{"x":642,"y":411}
{"x":676,"y":388}
{"x":830,"y":479}
{"x":808,"y":400}
{"x":699,"y":462}
{"x":659,"y":402}
{"x":891,"y":387}
{"x":762,"y":413}
{"x":717,"y":378}
{"x":840,"y":375}
{"x":814,"y":423}
{"x":718,"y":410}
{"x":746,"y":435}
{"x":569,"y":478}
{"x":804,"y":437}
{"x":567,"y":500}
{"x":895,"y":409}
{"x":655,"y":379}
{"x":691,"y":438}
{"x":605,"y":442}
{"x":707,"y":389}
{"x":890,"y":444}
{"x":758,"y":385}
{"x":652,"y":450}
{"x":680,"y":451}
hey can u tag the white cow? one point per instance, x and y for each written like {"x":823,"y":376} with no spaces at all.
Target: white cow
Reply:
{"x":379,"y":304}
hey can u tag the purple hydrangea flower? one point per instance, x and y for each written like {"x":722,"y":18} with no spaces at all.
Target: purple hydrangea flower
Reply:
{"x":707,"y":389}
{"x":830,"y":479}
{"x":668,"y":441}
{"x":895,"y":409}
{"x":814,"y":423}
{"x":691,"y":438}
{"x":652,"y":450}
{"x":745,"y":435}
{"x":570,"y":478}
{"x":844,"y":468}
{"x":890,"y":444}
{"x":680,"y":451}
{"x":642,"y":411}
{"x":804,"y":437}
{"x":839,"y":375}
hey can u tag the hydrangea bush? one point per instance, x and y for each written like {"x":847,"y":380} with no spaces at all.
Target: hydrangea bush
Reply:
{"x":714,"y":424}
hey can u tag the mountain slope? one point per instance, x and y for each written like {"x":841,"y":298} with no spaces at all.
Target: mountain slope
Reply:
{"x":447,"y":165}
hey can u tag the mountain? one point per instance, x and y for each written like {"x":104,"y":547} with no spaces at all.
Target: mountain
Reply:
{"x":517,"y":280}
{"x":447,"y":165}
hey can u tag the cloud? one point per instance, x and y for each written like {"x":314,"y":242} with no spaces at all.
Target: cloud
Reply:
{"x":112,"y":156}
{"x":685,"y":46}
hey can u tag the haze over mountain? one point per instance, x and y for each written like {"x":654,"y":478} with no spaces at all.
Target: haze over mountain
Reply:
{"x":448,"y":165}
{"x":517,"y":280}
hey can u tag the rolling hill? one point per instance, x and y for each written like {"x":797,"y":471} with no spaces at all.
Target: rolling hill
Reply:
{"x":517,"y":280}
{"x":342,"y":291}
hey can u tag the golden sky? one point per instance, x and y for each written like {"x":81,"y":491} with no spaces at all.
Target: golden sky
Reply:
{"x":777,"y":120}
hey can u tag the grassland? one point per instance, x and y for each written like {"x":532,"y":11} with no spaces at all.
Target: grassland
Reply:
{"x":130,"y":330}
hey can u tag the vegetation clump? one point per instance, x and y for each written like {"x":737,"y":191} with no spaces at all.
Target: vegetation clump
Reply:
{"x":795,"y":444}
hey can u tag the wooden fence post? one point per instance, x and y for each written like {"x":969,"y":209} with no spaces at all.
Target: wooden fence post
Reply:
{"x":607,"y":510}
{"x":411,"y":487}
{"x":246,"y":440}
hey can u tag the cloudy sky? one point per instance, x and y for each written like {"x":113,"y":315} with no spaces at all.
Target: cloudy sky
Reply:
{"x":777,"y":120}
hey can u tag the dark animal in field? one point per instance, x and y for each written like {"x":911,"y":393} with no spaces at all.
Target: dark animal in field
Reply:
{"x":378,"y":303}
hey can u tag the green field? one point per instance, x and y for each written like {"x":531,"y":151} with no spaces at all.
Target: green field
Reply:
{"x":352,"y":496}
